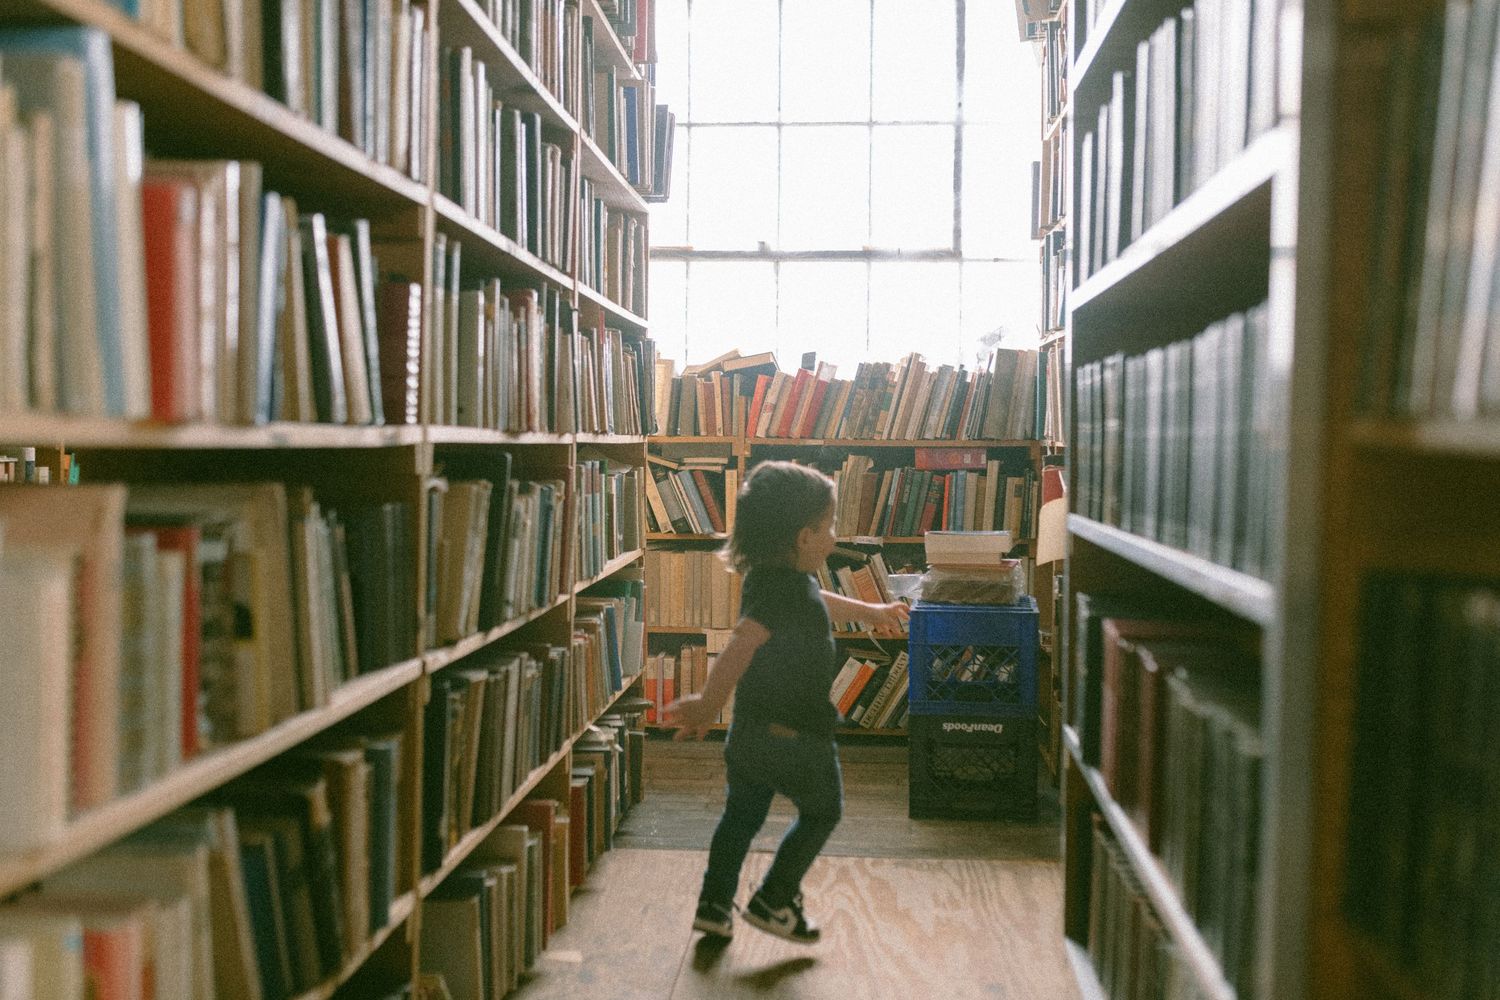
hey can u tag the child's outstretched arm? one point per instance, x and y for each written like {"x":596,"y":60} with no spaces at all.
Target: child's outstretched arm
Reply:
{"x":694,"y":713}
{"x":841,"y":608}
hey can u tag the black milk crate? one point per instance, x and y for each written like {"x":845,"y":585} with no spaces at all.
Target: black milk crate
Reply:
{"x":973,"y":659}
{"x":972,"y":767}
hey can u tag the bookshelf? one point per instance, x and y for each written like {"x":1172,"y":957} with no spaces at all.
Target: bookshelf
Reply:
{"x":586,"y":441}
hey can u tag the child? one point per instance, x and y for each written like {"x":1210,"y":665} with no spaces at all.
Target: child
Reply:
{"x":780,"y":664}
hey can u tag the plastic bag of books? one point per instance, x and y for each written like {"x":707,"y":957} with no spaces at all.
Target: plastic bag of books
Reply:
{"x":1004,"y":584}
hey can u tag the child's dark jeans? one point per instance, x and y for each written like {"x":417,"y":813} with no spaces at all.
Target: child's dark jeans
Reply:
{"x":763,"y":760}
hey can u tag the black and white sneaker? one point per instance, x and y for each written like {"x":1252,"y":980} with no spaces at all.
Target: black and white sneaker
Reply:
{"x":783,"y":921}
{"x":714,"y":919}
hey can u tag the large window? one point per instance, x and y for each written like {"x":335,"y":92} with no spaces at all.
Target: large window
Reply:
{"x":849,"y":176}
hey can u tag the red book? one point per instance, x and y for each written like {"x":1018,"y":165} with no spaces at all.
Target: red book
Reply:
{"x":936,"y":491}
{"x":705,"y":491}
{"x":537,"y":815}
{"x":799,"y":385}
{"x":810,"y":417}
{"x":950,"y":458}
{"x":184,"y":539}
{"x":757,"y":400}
{"x":851,"y":693}
{"x":399,"y":319}
{"x":169,"y":221}
{"x":578,"y":828}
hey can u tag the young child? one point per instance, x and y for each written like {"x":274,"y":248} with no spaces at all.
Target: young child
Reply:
{"x":780,"y":664}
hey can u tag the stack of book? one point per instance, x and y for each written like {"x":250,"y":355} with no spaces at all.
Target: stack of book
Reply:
{"x":608,"y":644}
{"x":749,"y":397}
{"x":693,"y":495}
{"x":907,"y":501}
{"x":612,"y":250}
{"x":1423,"y":774}
{"x":693,"y":588}
{"x":607,"y":514}
{"x":1202,"y":86}
{"x":1175,"y":444}
{"x":870,"y":689}
{"x":266,"y":889}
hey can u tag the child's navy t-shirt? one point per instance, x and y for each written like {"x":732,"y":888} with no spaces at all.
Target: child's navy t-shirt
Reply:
{"x":789,"y":677}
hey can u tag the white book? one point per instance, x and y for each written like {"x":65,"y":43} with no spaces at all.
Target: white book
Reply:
{"x":15,"y":255}
{"x":56,"y":944}
{"x":17,"y":972}
{"x":134,"y":342}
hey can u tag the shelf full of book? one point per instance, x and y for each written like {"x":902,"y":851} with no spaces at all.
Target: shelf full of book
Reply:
{"x":1191,"y":435}
{"x":332,"y":437}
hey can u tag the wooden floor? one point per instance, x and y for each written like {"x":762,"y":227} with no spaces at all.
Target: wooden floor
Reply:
{"x":908,"y":908}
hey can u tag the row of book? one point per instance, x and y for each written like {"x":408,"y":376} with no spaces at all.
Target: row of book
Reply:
{"x":613,"y":251}
{"x":1054,"y":418}
{"x":905,"y":501}
{"x":265,"y":889}
{"x":1203,"y":85}
{"x":860,"y":575}
{"x":1055,"y":60}
{"x":607,"y":514}
{"x":203,"y":614}
{"x":905,"y":401}
{"x":693,"y":496}
{"x":495,"y":164}
{"x":1176,"y":444}
{"x":673,"y":675}
{"x":694,"y":588}
{"x":1418,"y":883}
{"x":515,"y":359}
{"x":1132,"y":954}
{"x":1431,"y":348}
{"x":496,"y":547}
{"x":1170,"y":713}
{"x":1055,"y":281}
{"x":870,"y":690}
{"x":609,"y":632}
{"x":486,"y":923}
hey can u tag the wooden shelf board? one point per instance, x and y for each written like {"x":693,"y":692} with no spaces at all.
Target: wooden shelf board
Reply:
{"x":483,"y":435}
{"x":610,"y":184}
{"x":176,"y":89}
{"x":401,"y":910}
{"x":1473,"y":438}
{"x":1174,"y":917}
{"x":669,"y":536}
{"x":610,"y":569}
{"x":1204,"y":235}
{"x":108,"y":823}
{"x":463,"y":22}
{"x":607,"y":42}
{"x":496,"y":249}
{"x":587,"y":437}
{"x":690,"y":439}
{"x":679,"y":629}
{"x":1083,"y":971}
{"x":1249,"y":597}
{"x":103,"y":432}
{"x":437,"y":659}
{"x":884,"y":443}
{"x":867,"y":636}
{"x":610,"y":307}
{"x":723,"y":727}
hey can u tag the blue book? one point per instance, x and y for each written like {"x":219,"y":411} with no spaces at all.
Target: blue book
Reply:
{"x":632,"y":134}
{"x":24,"y":53}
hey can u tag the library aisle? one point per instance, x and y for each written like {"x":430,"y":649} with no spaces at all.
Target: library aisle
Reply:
{"x":941,"y":908}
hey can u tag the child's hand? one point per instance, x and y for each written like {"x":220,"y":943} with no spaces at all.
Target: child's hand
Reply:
{"x":692,"y":716}
{"x":891,"y":616}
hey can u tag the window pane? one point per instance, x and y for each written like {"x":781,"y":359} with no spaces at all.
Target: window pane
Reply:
{"x":915,"y":76}
{"x":914,"y":307}
{"x":1001,"y":307}
{"x":823,"y":309}
{"x":667,"y":302}
{"x":825,"y":61}
{"x":669,"y":218}
{"x":733,"y":61}
{"x":911,"y":182}
{"x":1002,"y":76}
{"x":732,"y":187}
{"x":997,"y":193}
{"x":730,"y":304}
{"x":825,"y":187}
{"x":671,"y":29}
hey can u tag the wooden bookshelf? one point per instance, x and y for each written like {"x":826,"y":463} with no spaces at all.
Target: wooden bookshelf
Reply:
{"x":607,"y":43}
{"x":859,"y":444}
{"x":194,"y":111}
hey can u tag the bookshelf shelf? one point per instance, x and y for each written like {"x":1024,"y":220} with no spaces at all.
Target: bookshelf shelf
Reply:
{"x":102,"y":432}
{"x":1051,"y":128}
{"x":1105,"y":41}
{"x":1471,"y":438}
{"x":610,"y":307}
{"x":685,"y":439}
{"x":494,"y":248}
{"x":607,"y":42}
{"x":588,"y":438}
{"x":670,"y":536}
{"x":462,"y":22}
{"x":300,"y":158}
{"x":678,"y":629}
{"x":439,"y":658}
{"x":754,"y":442}
{"x":101,"y":827}
{"x":1083,"y":972}
{"x":1249,"y":597}
{"x":612,"y":186}
{"x":1158,"y":887}
{"x":1213,"y":234}
{"x":401,"y":911}
{"x":483,"y":435}
{"x":610,"y":569}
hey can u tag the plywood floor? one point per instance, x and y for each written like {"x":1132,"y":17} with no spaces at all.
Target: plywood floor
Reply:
{"x":908,"y":908}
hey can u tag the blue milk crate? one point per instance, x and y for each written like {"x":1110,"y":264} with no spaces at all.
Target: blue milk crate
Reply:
{"x":971,"y":659}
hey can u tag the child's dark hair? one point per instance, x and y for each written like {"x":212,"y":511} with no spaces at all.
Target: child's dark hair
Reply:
{"x":778,"y":500}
